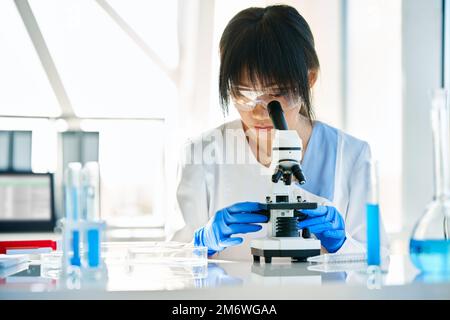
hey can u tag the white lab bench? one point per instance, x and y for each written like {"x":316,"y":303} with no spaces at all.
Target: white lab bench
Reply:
{"x":231,"y":280}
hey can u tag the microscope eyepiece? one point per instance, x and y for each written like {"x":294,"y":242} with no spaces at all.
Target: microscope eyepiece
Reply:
{"x":277,"y":115}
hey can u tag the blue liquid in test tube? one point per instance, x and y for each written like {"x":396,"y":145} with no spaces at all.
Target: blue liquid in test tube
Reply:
{"x":373,"y":234}
{"x":93,"y":241}
{"x":72,"y":187}
{"x":91,"y":213}
{"x":373,"y":218}
{"x":75,"y":259}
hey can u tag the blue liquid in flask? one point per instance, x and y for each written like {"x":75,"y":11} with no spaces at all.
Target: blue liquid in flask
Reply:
{"x":431,"y":256}
{"x":430,"y":244}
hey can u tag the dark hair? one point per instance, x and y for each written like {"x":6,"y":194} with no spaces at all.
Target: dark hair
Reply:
{"x":273,"y":45}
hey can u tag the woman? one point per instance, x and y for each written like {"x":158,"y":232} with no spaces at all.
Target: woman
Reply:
{"x":268,"y":54}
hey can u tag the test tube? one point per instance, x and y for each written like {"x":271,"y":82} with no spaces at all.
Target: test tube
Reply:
{"x":72,"y":191}
{"x":373,"y":216}
{"x":72,"y":206}
{"x":91,"y":211}
{"x":91,"y":196}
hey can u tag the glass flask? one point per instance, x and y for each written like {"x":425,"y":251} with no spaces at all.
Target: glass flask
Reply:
{"x":430,"y":243}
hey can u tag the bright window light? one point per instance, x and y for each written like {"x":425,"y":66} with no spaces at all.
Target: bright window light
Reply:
{"x":43,"y":142}
{"x":131,"y":168}
{"x":158,"y":28}
{"x":223,"y":13}
{"x":105,"y":73}
{"x":24,"y":86}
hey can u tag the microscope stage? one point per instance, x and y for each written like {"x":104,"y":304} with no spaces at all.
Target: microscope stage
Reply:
{"x":294,"y":247}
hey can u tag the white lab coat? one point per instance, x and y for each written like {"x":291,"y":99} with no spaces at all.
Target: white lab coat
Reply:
{"x":207,"y":186}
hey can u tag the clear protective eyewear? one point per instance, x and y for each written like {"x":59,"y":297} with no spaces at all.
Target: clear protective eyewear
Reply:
{"x":249,"y":99}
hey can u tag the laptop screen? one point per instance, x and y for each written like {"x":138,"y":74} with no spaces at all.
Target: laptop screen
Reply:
{"x":25,"y":197}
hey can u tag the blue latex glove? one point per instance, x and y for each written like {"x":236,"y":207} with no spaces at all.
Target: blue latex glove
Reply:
{"x":328,"y":226}
{"x":238,"y":218}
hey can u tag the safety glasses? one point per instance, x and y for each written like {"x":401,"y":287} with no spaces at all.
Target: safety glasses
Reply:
{"x":247,"y":100}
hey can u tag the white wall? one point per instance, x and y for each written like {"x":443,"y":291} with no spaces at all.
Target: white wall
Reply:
{"x":421,"y":73}
{"x":447,"y":44}
{"x":374,"y":93}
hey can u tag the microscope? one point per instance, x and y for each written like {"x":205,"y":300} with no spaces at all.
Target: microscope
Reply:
{"x":284,"y":238}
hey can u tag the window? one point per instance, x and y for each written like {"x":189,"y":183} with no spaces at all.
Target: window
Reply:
{"x":113,"y":62}
{"x":43,"y":142}
{"x":24,"y":87}
{"x":132,"y":170}
{"x":103,"y":70}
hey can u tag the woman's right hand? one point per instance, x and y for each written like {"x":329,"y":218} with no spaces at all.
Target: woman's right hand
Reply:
{"x":238,"y":218}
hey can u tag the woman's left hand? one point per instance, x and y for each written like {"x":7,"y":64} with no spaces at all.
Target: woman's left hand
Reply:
{"x":327,"y":224}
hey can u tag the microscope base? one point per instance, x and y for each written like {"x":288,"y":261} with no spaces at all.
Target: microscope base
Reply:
{"x":296,"y":248}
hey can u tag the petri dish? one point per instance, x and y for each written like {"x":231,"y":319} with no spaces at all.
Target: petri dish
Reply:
{"x":51,"y":264}
{"x":52,"y":259}
{"x":169,"y":253}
